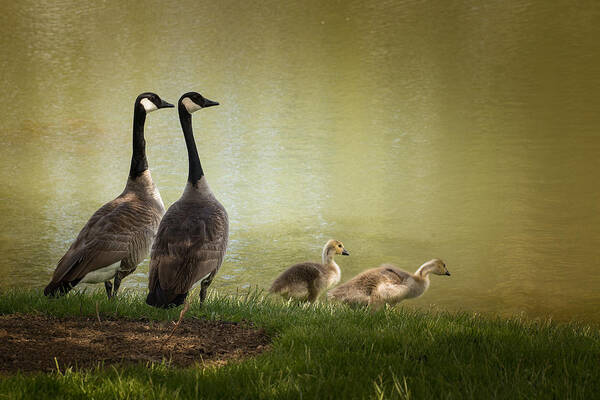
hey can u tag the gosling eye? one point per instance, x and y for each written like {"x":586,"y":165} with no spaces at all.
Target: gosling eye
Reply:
{"x":340,"y":246}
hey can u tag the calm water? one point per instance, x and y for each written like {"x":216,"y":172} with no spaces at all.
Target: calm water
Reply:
{"x":464,"y":130}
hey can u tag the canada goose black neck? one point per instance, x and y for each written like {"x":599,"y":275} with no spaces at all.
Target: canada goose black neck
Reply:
{"x":139,"y":163}
{"x":195,"y":168}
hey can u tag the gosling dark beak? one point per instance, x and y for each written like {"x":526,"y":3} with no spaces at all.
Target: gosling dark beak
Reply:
{"x":209,"y":103}
{"x":447,"y":273}
{"x":345,"y":252}
{"x":164,"y":104}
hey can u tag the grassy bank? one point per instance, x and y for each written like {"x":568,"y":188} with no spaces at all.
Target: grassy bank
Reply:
{"x":331,"y":351}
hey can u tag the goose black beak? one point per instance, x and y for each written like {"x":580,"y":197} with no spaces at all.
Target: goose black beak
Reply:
{"x":345,"y":252}
{"x":209,"y":103}
{"x":447,"y":273}
{"x":164,"y":104}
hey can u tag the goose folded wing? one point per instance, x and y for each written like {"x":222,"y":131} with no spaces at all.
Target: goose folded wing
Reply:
{"x":190,"y":244}
{"x":104,"y":240}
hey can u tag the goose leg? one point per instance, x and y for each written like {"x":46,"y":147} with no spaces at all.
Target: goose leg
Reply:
{"x":108,"y":286}
{"x":117,"y":284}
{"x":203,"y":289}
{"x":124,"y":269}
{"x":204,"y":286}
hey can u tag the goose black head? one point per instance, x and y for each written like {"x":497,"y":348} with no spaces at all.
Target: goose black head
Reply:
{"x":193,"y":102}
{"x":151,"y":102}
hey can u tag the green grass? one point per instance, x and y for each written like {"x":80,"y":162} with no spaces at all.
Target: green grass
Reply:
{"x":332,"y":351}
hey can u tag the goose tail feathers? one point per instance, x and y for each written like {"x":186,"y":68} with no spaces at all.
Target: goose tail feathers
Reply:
{"x":58,"y":289}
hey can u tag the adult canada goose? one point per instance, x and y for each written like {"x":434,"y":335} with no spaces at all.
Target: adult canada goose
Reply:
{"x":192,"y":237}
{"x":118,"y":236}
{"x":387,"y":284}
{"x":307,"y":280}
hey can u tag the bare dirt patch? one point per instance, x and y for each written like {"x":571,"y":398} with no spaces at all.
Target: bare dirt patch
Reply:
{"x":32,"y":342}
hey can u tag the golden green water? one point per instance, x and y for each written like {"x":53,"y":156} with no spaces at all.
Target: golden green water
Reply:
{"x":466,"y":130}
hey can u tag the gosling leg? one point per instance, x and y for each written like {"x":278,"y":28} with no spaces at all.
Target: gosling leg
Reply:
{"x":376,"y":302}
{"x":313,"y":292}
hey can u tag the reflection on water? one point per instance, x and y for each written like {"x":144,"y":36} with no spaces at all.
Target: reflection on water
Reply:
{"x":408,"y":130}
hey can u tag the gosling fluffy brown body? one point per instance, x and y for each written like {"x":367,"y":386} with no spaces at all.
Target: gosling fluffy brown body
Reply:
{"x":387,"y":284}
{"x":308,"y":280}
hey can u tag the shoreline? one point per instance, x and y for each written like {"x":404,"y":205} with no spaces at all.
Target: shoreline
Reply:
{"x":329,"y":351}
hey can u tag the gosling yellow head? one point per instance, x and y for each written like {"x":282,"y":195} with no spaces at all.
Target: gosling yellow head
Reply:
{"x":438,"y":267}
{"x":337,"y":246}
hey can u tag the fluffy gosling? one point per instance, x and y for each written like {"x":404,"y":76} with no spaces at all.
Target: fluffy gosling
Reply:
{"x":308,"y":280}
{"x":387,"y":284}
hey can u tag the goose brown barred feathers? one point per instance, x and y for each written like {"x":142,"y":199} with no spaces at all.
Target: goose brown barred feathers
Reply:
{"x":118,"y":236}
{"x":192,"y":237}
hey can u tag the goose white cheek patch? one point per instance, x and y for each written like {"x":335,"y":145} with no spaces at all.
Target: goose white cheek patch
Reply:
{"x":148,"y":105}
{"x":190,"y":106}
